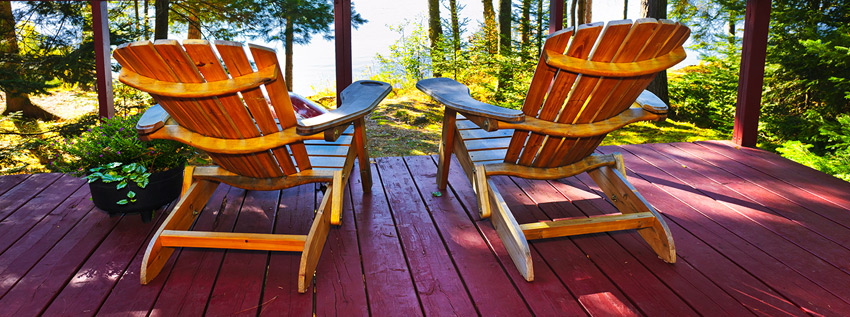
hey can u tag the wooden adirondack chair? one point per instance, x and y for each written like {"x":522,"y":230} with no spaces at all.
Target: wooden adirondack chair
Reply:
{"x":588,"y":82}
{"x":229,"y":117}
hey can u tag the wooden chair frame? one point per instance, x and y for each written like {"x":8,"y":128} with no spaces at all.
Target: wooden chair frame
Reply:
{"x":346,"y":122}
{"x":606,"y":170}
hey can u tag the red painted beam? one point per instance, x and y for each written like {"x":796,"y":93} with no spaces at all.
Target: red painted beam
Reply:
{"x":103,"y":63}
{"x":556,"y":15}
{"x":756,"y":22}
{"x":342,"y":41}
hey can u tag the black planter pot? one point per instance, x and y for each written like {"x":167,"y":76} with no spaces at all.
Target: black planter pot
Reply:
{"x":162,"y":188}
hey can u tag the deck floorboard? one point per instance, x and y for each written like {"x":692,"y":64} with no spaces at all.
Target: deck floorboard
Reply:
{"x":755,"y":234}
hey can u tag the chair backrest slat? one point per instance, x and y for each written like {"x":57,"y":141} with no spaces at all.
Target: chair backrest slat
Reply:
{"x":546,"y":106}
{"x":575,"y":99}
{"x":234,"y":116}
{"x":279,"y":97}
{"x":234,"y":58}
{"x":244,"y":114}
{"x":620,"y":46}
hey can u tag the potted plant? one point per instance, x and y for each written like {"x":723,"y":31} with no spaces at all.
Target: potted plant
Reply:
{"x":125,"y":174}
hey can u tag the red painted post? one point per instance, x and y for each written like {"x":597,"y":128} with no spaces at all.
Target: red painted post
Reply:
{"x":103,"y":64}
{"x":756,"y":23}
{"x":342,"y":41}
{"x":556,"y":15}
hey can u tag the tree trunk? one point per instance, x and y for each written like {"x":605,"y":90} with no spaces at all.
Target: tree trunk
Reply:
{"x":580,"y":14}
{"x":455,"y":25}
{"x":136,"y":8}
{"x":573,"y":12}
{"x":16,"y":101}
{"x":657,"y":9}
{"x":505,"y":75}
{"x":525,"y":25}
{"x":194,"y":22}
{"x":732,"y":23}
{"x":539,"y":26}
{"x":147,"y":27}
{"x":490,"y":34}
{"x":625,"y":9}
{"x":289,"y":33}
{"x":160,"y":20}
{"x":435,"y":31}
{"x":588,"y":10}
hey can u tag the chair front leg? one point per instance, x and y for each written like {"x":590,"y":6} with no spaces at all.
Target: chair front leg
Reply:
{"x":446,"y":147}
{"x":362,"y":154}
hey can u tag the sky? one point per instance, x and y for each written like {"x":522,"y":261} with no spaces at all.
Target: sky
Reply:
{"x":313,"y":65}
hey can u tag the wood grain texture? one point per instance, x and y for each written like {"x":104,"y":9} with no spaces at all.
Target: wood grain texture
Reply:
{"x":190,"y":274}
{"x":611,"y":258}
{"x":242,"y":273}
{"x":623,"y":69}
{"x":198,"y":90}
{"x":695,"y":288}
{"x":771,"y":270}
{"x":102,"y":269}
{"x":23,"y":192}
{"x":29,"y":249}
{"x":341,"y":289}
{"x":296,"y":206}
{"x":757,"y":235}
{"x":17,"y":224}
{"x":385,"y":272}
{"x":547,"y":295}
{"x":437,"y":281}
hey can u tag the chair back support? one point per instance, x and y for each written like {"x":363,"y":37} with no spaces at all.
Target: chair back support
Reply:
{"x":585,"y":96}
{"x":216,"y":110}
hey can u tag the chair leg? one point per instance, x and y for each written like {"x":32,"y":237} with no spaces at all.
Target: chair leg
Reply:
{"x":446,"y":146}
{"x":315,"y":243}
{"x":181,"y":218}
{"x":360,"y":145}
{"x":480,"y":185}
{"x":335,"y":192}
{"x":510,"y":233}
{"x":627,"y":199}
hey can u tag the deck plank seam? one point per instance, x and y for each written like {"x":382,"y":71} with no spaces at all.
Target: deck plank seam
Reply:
{"x":400,"y":241}
{"x":634,"y":235}
{"x":440,"y":235}
{"x":756,"y":168}
{"x":52,"y":211}
{"x":477,"y":224}
{"x":577,"y":247}
{"x":775,"y":213}
{"x":770,"y":285}
{"x":355,"y":175}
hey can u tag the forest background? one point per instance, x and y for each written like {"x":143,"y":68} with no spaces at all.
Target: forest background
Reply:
{"x":46,"y":49}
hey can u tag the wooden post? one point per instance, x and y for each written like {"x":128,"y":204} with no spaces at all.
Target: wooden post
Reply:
{"x":342,"y":41}
{"x":556,"y":15}
{"x":756,"y":22}
{"x":103,"y":64}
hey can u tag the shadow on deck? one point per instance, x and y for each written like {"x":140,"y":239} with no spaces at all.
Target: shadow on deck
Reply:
{"x":755,"y":234}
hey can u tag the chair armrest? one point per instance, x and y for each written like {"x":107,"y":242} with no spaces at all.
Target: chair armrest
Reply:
{"x":153,"y":119}
{"x":356,"y":100}
{"x":456,"y":96}
{"x":650,"y":102}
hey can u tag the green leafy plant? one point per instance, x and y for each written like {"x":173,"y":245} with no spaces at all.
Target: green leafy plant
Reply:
{"x":112,"y":152}
{"x":121,"y":173}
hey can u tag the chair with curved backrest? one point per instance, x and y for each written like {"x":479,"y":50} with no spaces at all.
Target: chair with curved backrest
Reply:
{"x":589,"y":81}
{"x":245,"y":121}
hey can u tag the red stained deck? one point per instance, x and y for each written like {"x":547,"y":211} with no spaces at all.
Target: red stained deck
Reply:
{"x":755,"y":234}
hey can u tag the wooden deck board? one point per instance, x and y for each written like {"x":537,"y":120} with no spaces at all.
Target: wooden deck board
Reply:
{"x":756,"y":234}
{"x":770,"y":267}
